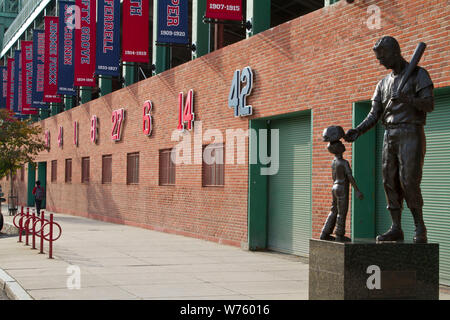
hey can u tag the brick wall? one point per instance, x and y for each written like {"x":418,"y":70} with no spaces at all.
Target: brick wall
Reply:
{"x":322,"y":61}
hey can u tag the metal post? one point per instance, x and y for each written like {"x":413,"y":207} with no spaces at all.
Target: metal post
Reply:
{"x":50,"y":241}
{"x":33,"y":220}
{"x":42,"y":232}
{"x":21,"y":225}
{"x":26,"y":227}
{"x":200,"y":30}
{"x":258,"y":14}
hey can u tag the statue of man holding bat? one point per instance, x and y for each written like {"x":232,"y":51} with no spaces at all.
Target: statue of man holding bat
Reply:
{"x":401,"y":101}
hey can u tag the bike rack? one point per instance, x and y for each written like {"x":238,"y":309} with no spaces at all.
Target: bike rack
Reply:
{"x":37,"y":226}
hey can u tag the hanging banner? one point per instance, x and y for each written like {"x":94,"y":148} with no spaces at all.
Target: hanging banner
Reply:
{"x":3,"y":86}
{"x":85,"y":44}
{"x":10,"y":85}
{"x":224,"y":9}
{"x":66,"y":48}
{"x":173,"y":21}
{"x":38,"y":69}
{"x":27,"y":77}
{"x":17,"y":104}
{"x":135,"y":45}
{"x":108,"y":38}
{"x":51,"y":60}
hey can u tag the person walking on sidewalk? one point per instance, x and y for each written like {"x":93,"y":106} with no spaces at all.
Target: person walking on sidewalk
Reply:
{"x":39,"y":195}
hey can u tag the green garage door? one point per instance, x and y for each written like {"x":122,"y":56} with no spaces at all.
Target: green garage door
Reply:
{"x":289,"y":218}
{"x":435,"y":185}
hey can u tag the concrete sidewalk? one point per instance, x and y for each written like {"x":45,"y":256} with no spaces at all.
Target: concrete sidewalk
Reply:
{"x":123,"y":262}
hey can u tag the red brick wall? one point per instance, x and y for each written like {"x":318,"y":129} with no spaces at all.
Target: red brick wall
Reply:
{"x":322,"y":61}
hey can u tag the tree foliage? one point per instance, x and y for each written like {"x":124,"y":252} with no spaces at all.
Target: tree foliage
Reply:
{"x":20,"y":142}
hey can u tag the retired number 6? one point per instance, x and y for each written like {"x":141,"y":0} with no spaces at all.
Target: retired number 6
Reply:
{"x":147,"y":126}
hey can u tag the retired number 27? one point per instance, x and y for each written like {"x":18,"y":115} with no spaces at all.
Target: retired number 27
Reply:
{"x":237,"y":98}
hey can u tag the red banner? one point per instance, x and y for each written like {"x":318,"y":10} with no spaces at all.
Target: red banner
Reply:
{"x":224,"y":9}
{"x":10,"y":86}
{"x":85,"y":43}
{"x":27,"y":77}
{"x":135,"y":39}
{"x":51,"y":60}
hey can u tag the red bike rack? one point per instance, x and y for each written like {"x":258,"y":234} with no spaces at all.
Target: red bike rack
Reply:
{"x":37,"y":226}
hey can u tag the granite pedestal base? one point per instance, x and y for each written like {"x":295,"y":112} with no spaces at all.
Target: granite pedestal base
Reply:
{"x":365,"y":269}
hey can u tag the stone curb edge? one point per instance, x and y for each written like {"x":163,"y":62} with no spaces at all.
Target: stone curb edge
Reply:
{"x":12,"y":288}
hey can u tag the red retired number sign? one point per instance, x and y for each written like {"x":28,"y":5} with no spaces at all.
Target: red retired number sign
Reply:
{"x":60,"y":137}
{"x":47,"y":139}
{"x":186,"y":114}
{"x":147,"y":125}
{"x":118,"y":116}
{"x":75,"y":133}
{"x":94,"y":129}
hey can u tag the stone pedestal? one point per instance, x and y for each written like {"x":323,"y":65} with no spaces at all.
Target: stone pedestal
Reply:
{"x":364,"y":269}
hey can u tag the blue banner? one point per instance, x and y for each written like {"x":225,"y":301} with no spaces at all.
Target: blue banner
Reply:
{"x":66,"y":48}
{"x":38,"y":69}
{"x":17,"y":82}
{"x":173,"y":21}
{"x":3,"y":86}
{"x":108,"y":38}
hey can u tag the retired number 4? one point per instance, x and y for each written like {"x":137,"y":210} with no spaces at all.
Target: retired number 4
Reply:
{"x":237,"y":98}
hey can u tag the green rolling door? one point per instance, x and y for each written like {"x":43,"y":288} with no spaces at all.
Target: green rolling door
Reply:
{"x":435,"y":185}
{"x":289,"y":214}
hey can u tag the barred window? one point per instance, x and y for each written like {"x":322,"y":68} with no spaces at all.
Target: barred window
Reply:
{"x":85,"y":170}
{"x":166,"y":168}
{"x":213,"y":165}
{"x":68,"y":171}
{"x":133,"y":168}
{"x":107,"y":168}
{"x":54,"y":173}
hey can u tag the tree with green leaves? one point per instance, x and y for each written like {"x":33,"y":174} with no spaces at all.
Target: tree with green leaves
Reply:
{"x":20,"y":142}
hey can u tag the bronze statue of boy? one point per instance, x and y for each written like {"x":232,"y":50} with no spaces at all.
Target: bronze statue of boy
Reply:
{"x":342,"y":176}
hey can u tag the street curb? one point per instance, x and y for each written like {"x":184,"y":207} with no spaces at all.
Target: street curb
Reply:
{"x":12,"y":288}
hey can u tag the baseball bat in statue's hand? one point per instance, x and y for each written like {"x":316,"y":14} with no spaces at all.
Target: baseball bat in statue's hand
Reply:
{"x":417,"y":55}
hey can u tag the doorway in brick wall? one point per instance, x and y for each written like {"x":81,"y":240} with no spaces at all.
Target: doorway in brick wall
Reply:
{"x":42,"y":177}
{"x":280,"y":203}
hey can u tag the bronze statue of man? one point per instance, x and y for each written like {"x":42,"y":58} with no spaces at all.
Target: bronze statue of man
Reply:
{"x":404,"y":138}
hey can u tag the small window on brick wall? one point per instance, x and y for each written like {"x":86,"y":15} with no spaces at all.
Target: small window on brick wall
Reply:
{"x":107,"y":169}
{"x":213,"y":165}
{"x":166,"y":168}
{"x":133,"y":168}
{"x":85,"y":170}
{"x":54,"y":172}
{"x":68,"y":171}
{"x":22,"y":173}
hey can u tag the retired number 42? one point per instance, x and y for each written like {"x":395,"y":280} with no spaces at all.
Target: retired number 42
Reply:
{"x":237,"y":98}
